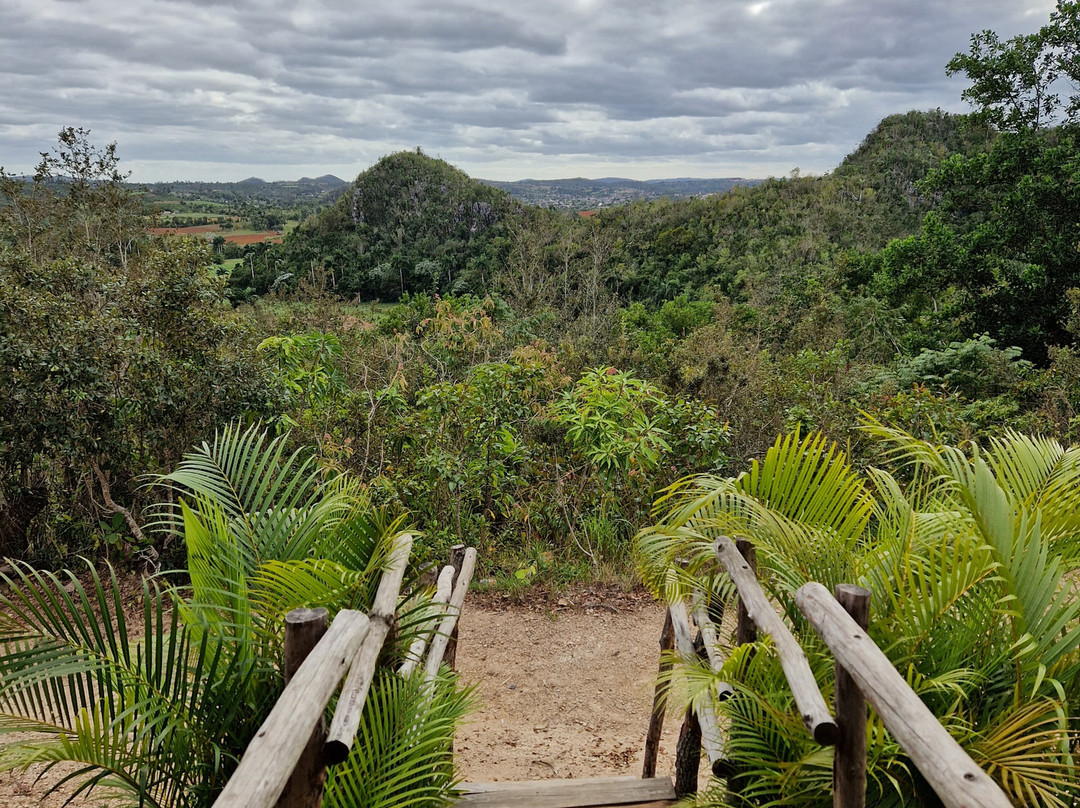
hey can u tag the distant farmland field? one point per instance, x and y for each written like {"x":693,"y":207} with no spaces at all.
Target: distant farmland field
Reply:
{"x":210,"y":230}
{"x":273,"y":236}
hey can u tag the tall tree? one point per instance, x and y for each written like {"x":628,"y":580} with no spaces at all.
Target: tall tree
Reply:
{"x":999,"y":253}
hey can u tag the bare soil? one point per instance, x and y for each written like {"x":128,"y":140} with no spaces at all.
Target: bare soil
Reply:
{"x":565,"y":688}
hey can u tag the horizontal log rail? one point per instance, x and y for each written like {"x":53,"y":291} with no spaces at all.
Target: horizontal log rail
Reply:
{"x":711,"y":740}
{"x":953,"y":775}
{"x":269,"y":759}
{"x":342,"y":732}
{"x":863,"y":674}
{"x":284,"y":764}
{"x":815,"y":713}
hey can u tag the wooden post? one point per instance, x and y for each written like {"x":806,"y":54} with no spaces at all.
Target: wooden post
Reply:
{"x":849,"y":760}
{"x":656,"y":720}
{"x":687,"y":756}
{"x":303,"y":630}
{"x":457,"y":559}
{"x":746,"y":631}
{"x":270,"y":757}
{"x":953,"y":775}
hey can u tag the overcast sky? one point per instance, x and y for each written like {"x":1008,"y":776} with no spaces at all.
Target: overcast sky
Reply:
{"x":226,"y":89}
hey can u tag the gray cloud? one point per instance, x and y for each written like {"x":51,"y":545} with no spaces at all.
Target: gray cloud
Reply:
{"x":279,"y":88}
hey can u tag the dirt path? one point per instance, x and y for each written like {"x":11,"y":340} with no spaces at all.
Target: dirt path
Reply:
{"x":565,"y":691}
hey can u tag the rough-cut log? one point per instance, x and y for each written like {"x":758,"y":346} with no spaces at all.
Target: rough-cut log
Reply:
{"x":303,"y":630}
{"x":441,"y":639}
{"x":688,"y":756}
{"x":457,"y":560}
{"x":745,"y":629}
{"x":656,"y":719}
{"x":438,"y":602}
{"x":849,"y":761}
{"x":710,"y":731}
{"x":566,"y":793}
{"x":811,"y":704}
{"x":272,"y":754}
{"x":700,"y":613}
{"x":958,"y":782}
{"x":339,"y":739}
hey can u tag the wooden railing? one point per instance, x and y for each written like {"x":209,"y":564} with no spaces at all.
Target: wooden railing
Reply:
{"x":285,"y":763}
{"x":863,"y":673}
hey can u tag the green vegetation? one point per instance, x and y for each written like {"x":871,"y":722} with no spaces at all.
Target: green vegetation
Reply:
{"x":970,"y":558}
{"x":530,"y":381}
{"x":159,"y":712}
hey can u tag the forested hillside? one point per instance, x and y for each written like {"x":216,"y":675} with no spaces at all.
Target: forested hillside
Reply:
{"x":800,"y":303}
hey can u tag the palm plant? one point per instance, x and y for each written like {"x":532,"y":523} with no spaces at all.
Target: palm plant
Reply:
{"x":969,"y":556}
{"x":159,"y":714}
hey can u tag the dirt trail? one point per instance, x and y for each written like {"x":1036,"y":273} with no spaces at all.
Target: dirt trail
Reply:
{"x":565,"y":691}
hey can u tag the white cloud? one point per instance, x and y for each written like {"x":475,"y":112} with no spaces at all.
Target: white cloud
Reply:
{"x":220,"y":90}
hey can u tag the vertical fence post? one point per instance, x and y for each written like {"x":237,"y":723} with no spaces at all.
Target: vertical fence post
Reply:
{"x":849,"y":761}
{"x":688,"y":756}
{"x":656,"y":720}
{"x":457,"y":558}
{"x":303,"y":630}
{"x":746,"y":631}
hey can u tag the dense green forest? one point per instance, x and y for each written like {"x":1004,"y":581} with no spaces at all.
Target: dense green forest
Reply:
{"x":546,"y":386}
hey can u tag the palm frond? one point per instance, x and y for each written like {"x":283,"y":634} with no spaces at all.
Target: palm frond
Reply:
{"x":808,"y":480}
{"x":402,"y":752}
{"x":112,"y":704}
{"x":1027,"y":751}
{"x":276,"y":506}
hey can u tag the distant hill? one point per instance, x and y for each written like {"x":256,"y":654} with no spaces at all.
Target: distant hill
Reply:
{"x":588,"y":194}
{"x":565,"y":194}
{"x":281,"y":193}
{"x":409,"y":223}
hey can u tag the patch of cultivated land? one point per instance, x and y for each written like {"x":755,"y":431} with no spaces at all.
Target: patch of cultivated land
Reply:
{"x":231,"y":236}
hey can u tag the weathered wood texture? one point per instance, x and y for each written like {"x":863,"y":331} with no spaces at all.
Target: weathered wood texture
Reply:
{"x":442,"y":638}
{"x":688,"y":756}
{"x":958,"y":782}
{"x":711,"y":739}
{"x":438,"y":604}
{"x":849,"y":761}
{"x":808,"y":698}
{"x":656,"y":719}
{"x":272,"y":754}
{"x":304,"y":789}
{"x":457,"y":559}
{"x":745,"y":628}
{"x":595,"y":791}
{"x":700,"y":612}
{"x":342,"y":733}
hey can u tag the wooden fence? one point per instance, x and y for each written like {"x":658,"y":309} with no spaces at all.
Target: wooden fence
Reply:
{"x":285,"y":763}
{"x":863,"y":673}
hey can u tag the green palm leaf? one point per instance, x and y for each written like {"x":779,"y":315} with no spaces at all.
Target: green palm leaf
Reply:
{"x":112,"y":704}
{"x":402,"y":751}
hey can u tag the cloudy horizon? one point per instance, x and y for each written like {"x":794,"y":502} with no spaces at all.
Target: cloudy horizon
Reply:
{"x":194,"y":90}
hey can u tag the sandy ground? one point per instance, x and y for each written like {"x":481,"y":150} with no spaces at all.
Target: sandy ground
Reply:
{"x":565,"y":688}
{"x":565,"y":691}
